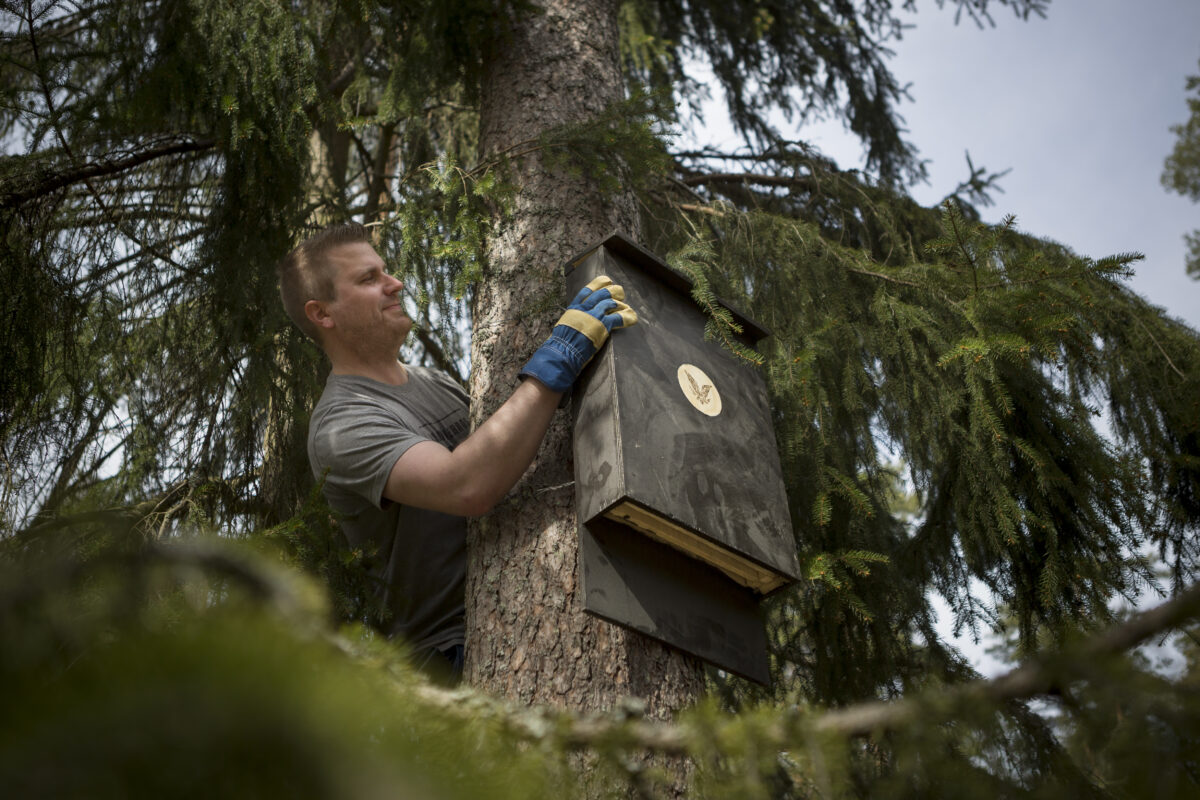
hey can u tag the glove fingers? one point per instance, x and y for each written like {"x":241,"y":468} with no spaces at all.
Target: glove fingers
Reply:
{"x":622,"y":316}
{"x":598,"y":289}
{"x":580,"y":332}
{"x":603,"y":308}
{"x":609,"y":294}
{"x":599,"y":282}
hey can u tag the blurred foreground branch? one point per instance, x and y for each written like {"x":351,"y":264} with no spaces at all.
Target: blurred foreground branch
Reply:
{"x":623,"y":730}
{"x":1044,"y":675}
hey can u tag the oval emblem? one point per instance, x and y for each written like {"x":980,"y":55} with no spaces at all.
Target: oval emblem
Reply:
{"x":699,"y":389}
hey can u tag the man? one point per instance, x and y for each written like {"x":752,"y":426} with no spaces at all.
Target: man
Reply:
{"x":393,"y":442}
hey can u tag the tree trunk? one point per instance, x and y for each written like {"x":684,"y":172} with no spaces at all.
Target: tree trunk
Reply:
{"x":527,"y":635}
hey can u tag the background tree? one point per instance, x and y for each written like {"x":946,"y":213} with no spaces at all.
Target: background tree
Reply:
{"x":162,"y":156}
{"x":1181,"y":172}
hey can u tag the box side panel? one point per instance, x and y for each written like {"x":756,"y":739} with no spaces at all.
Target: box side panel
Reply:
{"x":599,"y":473}
{"x":641,"y":584}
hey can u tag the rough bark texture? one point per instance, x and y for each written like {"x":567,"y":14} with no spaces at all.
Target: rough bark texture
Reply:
{"x":528,"y":637}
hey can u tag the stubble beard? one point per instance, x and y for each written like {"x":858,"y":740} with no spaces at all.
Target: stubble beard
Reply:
{"x":380,"y":340}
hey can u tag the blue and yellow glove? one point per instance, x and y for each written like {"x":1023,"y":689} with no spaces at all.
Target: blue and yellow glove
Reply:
{"x":598,"y":309}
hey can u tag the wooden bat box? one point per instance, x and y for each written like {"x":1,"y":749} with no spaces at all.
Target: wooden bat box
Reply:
{"x":673,"y":440}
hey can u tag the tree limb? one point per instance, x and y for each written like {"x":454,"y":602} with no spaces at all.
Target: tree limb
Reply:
{"x":624,"y":729}
{"x":53,"y":181}
{"x":1041,"y":676}
{"x":747,"y":177}
{"x":31,"y":187}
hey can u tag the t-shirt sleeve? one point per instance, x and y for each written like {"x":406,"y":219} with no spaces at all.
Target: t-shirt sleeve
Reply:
{"x":359,"y":445}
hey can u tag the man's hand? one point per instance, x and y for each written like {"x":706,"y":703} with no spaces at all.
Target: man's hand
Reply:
{"x":598,"y":309}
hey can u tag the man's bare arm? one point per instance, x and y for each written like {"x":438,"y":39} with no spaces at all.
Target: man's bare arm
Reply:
{"x":473,"y":477}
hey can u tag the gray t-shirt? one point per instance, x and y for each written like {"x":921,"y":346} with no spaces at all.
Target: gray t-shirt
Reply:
{"x":358,"y":430}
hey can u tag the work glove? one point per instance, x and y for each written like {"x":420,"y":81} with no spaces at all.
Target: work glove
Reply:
{"x":598,"y":309}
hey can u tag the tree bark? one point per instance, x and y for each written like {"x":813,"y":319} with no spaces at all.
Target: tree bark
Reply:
{"x":527,"y":635}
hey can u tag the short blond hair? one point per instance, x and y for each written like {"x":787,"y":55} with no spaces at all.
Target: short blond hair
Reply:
{"x":307,"y":274}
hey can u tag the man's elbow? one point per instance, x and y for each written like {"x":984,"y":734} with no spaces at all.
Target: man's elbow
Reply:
{"x":475,"y":501}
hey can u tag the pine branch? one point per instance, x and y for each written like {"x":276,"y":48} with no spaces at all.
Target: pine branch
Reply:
{"x":377,"y":191}
{"x":84,"y":172}
{"x":53,"y":112}
{"x":1046,"y":675}
{"x":1154,"y":339}
{"x":719,"y":156}
{"x":1042,"y":676}
{"x":699,"y":209}
{"x":881,"y":276}
{"x":625,"y":730}
{"x":52,"y":182}
{"x":803,"y":181}
{"x":168,"y":504}
{"x":275,"y":587}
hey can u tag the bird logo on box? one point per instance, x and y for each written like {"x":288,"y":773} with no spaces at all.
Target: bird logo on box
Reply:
{"x":699,"y":389}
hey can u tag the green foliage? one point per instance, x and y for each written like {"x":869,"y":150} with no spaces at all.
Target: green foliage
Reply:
{"x":1181,"y":171}
{"x":151,"y":672}
{"x":1120,"y":714}
{"x":617,"y":149}
{"x":194,"y":667}
{"x":694,"y":260}
{"x":162,"y":156}
{"x":983,"y":358}
{"x":312,"y":541}
{"x":35,"y":293}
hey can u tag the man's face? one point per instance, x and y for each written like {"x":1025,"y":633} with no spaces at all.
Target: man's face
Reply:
{"x":367,"y":307}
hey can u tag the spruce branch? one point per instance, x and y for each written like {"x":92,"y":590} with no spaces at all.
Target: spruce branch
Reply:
{"x":700,"y":209}
{"x":52,"y":113}
{"x":1154,"y":339}
{"x":1045,"y":675}
{"x":617,"y":735}
{"x":881,"y":276}
{"x":166,"y":505}
{"x":803,"y":181}
{"x":50,"y":182}
{"x":719,"y":156}
{"x":31,"y":187}
{"x":272,"y":586}
{"x":437,"y":353}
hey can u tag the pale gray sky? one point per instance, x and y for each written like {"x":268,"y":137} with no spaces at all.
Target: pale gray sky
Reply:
{"x":1078,"y":105}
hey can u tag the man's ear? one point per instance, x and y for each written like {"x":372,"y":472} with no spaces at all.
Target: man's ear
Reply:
{"x":317,"y":314}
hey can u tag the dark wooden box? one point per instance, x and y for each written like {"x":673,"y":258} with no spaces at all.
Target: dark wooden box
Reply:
{"x":673,"y":439}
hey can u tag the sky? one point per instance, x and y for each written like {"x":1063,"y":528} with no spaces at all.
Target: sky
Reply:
{"x":1077,"y":105}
